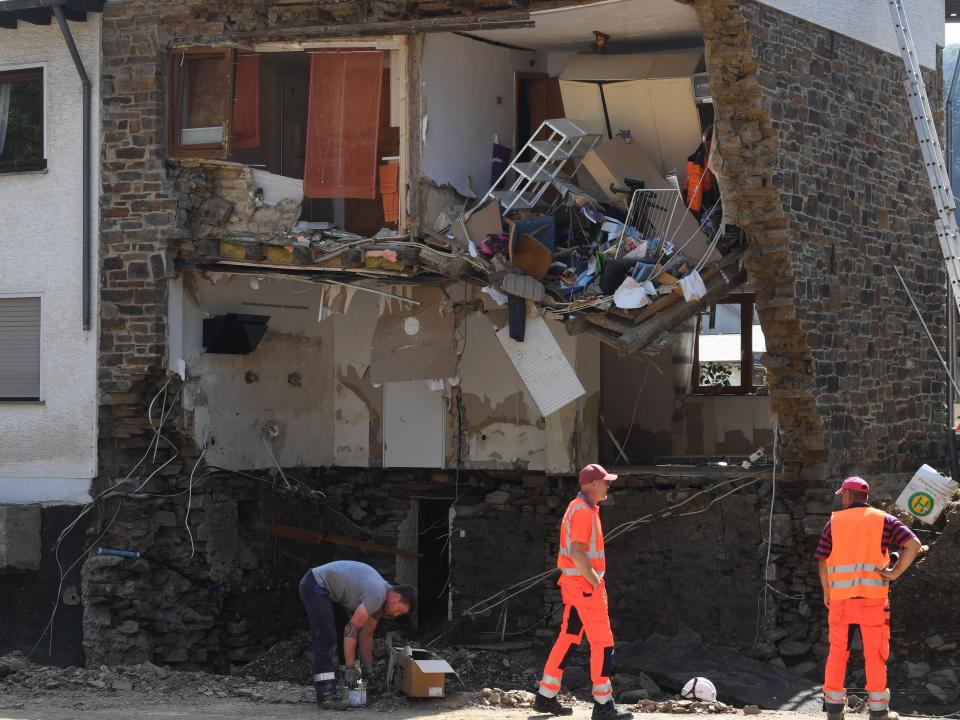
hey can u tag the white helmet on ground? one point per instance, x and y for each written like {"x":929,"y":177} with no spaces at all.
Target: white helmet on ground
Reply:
{"x":699,"y":688}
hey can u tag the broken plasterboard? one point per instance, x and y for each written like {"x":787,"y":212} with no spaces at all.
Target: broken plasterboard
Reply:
{"x":277,"y":188}
{"x":478,"y":224}
{"x":415,"y":344}
{"x":544,"y":369}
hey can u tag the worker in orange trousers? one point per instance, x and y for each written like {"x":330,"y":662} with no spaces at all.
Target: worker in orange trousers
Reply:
{"x":854,"y":558}
{"x":582,"y":563}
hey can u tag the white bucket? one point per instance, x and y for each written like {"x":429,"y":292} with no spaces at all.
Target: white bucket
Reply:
{"x":927,"y":494}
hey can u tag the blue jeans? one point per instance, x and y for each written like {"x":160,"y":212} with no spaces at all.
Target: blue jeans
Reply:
{"x":323,"y":631}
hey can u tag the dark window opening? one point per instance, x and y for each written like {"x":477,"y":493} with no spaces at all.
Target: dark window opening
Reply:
{"x":21,"y":120}
{"x":433,"y":565}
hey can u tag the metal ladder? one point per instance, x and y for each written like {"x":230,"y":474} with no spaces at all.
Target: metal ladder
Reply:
{"x":947,"y":231}
{"x":565,"y":141}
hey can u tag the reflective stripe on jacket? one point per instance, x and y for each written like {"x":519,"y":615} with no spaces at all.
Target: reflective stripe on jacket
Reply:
{"x":568,"y":570}
{"x":855,"y":562}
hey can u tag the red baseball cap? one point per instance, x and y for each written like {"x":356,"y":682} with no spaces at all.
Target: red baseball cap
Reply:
{"x":594,"y":472}
{"x":857,"y":484}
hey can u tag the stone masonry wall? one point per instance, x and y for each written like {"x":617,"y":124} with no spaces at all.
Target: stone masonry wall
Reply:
{"x":231,"y":593}
{"x":822,"y":170}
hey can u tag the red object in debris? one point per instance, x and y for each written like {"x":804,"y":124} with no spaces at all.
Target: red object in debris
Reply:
{"x":245,"y":127}
{"x":390,"y":191}
{"x":343,"y":125}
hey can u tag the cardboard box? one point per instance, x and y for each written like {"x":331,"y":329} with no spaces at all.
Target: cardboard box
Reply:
{"x":421,"y":674}
{"x":478,"y":224}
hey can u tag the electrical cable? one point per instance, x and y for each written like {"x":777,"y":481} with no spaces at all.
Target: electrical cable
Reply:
{"x":186,"y":517}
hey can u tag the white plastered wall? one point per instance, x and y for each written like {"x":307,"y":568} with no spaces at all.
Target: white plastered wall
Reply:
{"x":468,"y":96}
{"x":48,"y":449}
{"x":869,"y":21}
{"x":331,"y":413}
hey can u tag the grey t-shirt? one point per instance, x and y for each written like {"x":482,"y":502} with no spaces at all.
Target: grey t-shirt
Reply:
{"x":351,"y":583}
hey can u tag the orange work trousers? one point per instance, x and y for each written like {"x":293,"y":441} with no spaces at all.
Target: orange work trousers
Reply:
{"x":872,"y":615}
{"x":584,"y":611}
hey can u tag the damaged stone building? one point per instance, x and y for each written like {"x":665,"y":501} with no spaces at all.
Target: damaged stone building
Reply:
{"x":322,"y":335}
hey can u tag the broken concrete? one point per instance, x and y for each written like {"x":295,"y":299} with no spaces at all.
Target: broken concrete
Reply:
{"x":738,"y":679}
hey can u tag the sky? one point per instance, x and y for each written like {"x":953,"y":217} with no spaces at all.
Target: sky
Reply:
{"x":953,"y":33}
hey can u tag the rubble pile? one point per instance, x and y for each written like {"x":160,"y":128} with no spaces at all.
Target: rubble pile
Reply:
{"x":684,"y":707}
{"x":506,"y":698}
{"x":19,"y":678}
{"x":480,"y":669}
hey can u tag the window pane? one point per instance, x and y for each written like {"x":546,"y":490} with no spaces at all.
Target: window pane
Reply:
{"x":21,"y":116}
{"x":201,"y":119}
{"x":719,"y":347}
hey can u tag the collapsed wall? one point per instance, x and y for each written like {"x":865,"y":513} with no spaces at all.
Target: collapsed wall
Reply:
{"x":810,"y":136}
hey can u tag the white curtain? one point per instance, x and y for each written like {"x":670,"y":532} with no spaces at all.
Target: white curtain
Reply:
{"x":4,"y":112}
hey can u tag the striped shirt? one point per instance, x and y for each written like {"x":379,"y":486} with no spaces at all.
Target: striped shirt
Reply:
{"x":895,"y":534}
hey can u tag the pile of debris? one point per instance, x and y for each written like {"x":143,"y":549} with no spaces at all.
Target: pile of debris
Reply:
{"x":573,"y":225}
{"x":695,"y":707}
{"x":22,"y":679}
{"x":506,"y":698}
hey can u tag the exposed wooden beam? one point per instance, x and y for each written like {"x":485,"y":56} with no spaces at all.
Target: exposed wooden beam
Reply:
{"x":317,"y":537}
{"x":503,"y":21}
{"x":666,"y":320}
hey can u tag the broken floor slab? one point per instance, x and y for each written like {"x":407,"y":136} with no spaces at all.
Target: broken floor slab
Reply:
{"x":739,"y":680}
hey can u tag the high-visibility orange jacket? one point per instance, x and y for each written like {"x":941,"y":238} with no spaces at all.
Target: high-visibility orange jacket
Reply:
{"x":856,"y":559}
{"x":581,"y":523}
{"x":699,"y":181}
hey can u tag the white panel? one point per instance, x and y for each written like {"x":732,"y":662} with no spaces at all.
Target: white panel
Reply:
{"x":542,"y":366}
{"x":469,"y":91}
{"x":661,"y":116}
{"x":20,"y":348}
{"x":412,"y":425}
{"x":582,"y":104}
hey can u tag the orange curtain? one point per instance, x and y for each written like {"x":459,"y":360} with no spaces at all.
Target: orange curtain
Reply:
{"x":343,"y":124}
{"x":245,"y":127}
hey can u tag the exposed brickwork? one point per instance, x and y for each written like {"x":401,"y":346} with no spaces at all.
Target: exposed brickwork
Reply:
{"x":824,"y":173}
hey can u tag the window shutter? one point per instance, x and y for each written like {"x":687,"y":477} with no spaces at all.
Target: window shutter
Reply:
{"x":20,"y":348}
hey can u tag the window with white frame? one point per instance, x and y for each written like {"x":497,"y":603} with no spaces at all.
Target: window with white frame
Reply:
{"x":21,"y":120}
{"x":19,"y":348}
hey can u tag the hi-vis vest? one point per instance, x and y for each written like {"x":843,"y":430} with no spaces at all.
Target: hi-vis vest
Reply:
{"x":568,"y":571}
{"x":855,"y":562}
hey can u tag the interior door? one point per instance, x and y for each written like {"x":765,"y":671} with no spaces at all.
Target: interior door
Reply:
{"x":412,"y":425}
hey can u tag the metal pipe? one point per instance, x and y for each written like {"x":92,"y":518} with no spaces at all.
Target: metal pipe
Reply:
{"x":56,"y":5}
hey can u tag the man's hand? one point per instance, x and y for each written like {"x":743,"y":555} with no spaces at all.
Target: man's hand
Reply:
{"x":826,"y":601}
{"x":349,"y":675}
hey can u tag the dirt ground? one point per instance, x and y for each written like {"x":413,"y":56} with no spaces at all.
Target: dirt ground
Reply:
{"x":141,"y":707}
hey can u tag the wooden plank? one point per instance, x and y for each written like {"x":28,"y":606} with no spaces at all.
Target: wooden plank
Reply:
{"x":278,"y":253}
{"x":642,"y":335}
{"x":317,"y":537}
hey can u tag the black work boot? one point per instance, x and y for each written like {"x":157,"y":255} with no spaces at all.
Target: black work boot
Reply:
{"x":609,"y":711}
{"x":550,"y":706}
{"x":834,"y":710}
{"x":328,"y":696}
{"x":887,"y":714}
